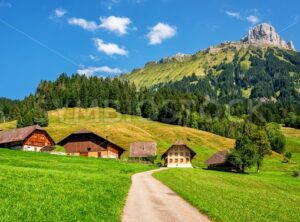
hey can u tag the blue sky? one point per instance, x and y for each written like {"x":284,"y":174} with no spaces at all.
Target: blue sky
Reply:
{"x":41,"y":39}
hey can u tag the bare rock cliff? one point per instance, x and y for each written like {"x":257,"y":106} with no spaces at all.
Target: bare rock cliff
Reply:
{"x":265,"y":34}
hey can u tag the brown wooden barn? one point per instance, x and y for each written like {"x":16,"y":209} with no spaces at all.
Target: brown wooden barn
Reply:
{"x":178,"y":155}
{"x":87,"y":143}
{"x":218,"y":161}
{"x":31,"y":138}
{"x":142,"y":149}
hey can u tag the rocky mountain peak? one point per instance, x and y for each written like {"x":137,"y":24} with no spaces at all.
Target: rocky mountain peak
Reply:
{"x":265,"y":34}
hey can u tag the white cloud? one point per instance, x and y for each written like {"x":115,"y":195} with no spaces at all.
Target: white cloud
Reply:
{"x":90,"y":71}
{"x":88,"y":25}
{"x":94,"y":58}
{"x":109,"y":48}
{"x":59,"y":12}
{"x":160,"y":32}
{"x":5,"y":4}
{"x":236,"y":15}
{"x":253,"y":19}
{"x":115,"y":24}
{"x":109,"y":4}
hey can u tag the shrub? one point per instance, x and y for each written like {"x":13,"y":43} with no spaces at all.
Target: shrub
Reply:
{"x":296,"y":173}
{"x":288,"y":155}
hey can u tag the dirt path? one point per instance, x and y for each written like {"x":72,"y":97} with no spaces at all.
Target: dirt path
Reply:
{"x":151,"y":201}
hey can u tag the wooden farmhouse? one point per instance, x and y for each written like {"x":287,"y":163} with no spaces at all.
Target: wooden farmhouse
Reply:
{"x":87,"y":143}
{"x":218,"y":161}
{"x":178,"y":155}
{"x":142,"y":149}
{"x":31,"y":138}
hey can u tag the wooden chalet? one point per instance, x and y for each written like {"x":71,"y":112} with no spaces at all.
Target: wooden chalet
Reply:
{"x":178,"y":155}
{"x":142,"y":149}
{"x":218,"y":161}
{"x":31,"y":138}
{"x":87,"y":143}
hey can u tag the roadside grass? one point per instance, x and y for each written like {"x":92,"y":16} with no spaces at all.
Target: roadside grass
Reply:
{"x":44,"y":187}
{"x":125,"y":129}
{"x":266,"y":196}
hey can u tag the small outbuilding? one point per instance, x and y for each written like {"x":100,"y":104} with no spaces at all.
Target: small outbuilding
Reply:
{"x":88,"y":143}
{"x":178,"y":155}
{"x":142,"y":149}
{"x":31,"y":138}
{"x":218,"y":161}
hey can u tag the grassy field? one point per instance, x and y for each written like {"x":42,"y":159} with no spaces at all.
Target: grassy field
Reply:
{"x":267,"y":196}
{"x":293,"y":142}
{"x":44,"y":187}
{"x":124,"y":129}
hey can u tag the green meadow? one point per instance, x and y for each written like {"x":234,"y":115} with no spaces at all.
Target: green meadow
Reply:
{"x":229,"y":197}
{"x":44,"y":187}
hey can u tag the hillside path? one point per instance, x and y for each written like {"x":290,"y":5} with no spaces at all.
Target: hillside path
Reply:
{"x":151,"y":201}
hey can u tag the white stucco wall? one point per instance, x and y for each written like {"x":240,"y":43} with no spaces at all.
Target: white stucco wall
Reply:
{"x":186,"y":165}
{"x":31,"y":148}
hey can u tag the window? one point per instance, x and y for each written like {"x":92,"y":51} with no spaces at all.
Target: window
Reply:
{"x":170,"y":160}
{"x":176,"y":149}
{"x":181,"y":154}
{"x":187,"y":160}
{"x":89,"y":149}
{"x":181,"y":148}
{"x":176,"y":154}
{"x":181,"y":160}
{"x":170,"y":154}
{"x":187,"y":154}
{"x":176,"y":160}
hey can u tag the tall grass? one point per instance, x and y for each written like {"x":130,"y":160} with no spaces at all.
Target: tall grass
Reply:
{"x":43,"y":187}
{"x":228,"y":197}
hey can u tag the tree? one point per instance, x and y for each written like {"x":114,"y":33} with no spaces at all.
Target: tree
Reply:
{"x":244,"y":155}
{"x":258,"y":137}
{"x":276,"y":137}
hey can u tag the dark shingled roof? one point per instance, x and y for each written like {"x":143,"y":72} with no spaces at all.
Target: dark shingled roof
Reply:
{"x":104,"y":144}
{"x":142,"y":149}
{"x":218,"y":158}
{"x":179,"y":143}
{"x":17,"y":135}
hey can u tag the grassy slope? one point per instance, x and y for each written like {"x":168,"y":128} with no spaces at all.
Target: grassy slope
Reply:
{"x":268,"y":196}
{"x":199,"y":64}
{"x":124,"y":129}
{"x":44,"y":187}
{"x":293,"y":142}
{"x":154,"y":73}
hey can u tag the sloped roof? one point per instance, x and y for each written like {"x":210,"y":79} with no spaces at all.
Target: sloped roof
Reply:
{"x":104,"y":144}
{"x":179,"y":143}
{"x":83,"y":131}
{"x":17,"y":135}
{"x":142,"y":149}
{"x":218,"y":158}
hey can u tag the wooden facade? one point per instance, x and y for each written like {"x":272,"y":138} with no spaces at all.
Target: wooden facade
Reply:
{"x":32,"y":138}
{"x":178,"y":155}
{"x":89,"y":144}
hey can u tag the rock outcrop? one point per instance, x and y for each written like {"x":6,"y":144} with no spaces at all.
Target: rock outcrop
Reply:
{"x":265,"y":34}
{"x":178,"y":57}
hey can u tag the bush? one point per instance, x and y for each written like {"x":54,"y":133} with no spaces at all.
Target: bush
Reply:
{"x":296,"y":173}
{"x":288,"y":155}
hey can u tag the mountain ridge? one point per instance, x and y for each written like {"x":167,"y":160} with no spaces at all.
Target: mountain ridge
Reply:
{"x":175,"y":68}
